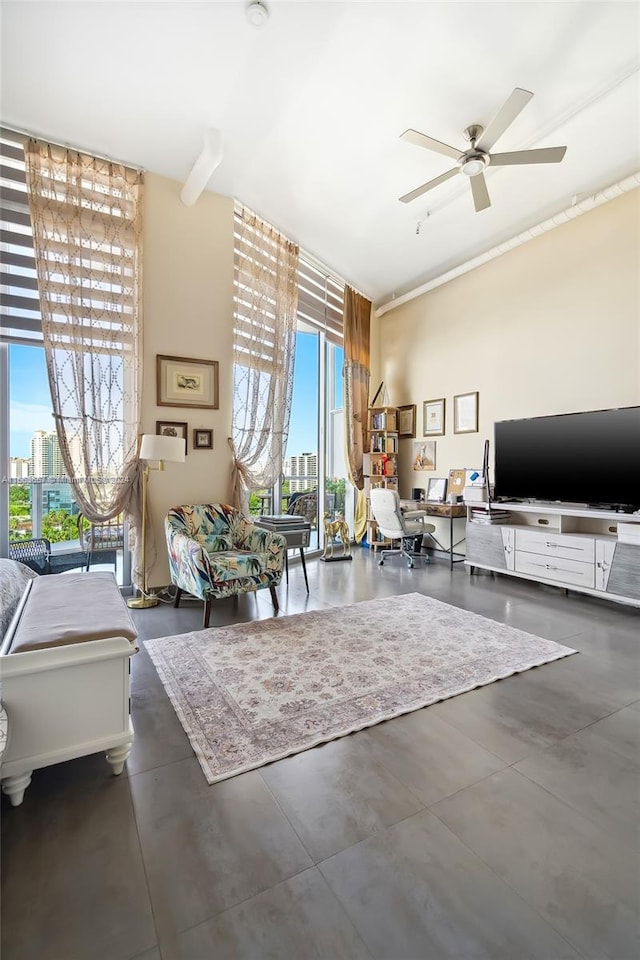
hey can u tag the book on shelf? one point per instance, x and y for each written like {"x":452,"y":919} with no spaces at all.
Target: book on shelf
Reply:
{"x":480,"y":515}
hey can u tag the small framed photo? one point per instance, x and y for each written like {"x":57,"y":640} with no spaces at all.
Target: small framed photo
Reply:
{"x":182,"y":382}
{"x":433,"y":418}
{"x":437,"y":490}
{"x":171,"y":428}
{"x":407,"y":420}
{"x":202,"y":439}
{"x":424,"y":455}
{"x":465,"y":413}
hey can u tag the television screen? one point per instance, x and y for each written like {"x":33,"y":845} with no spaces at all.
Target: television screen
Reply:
{"x":586,"y":458}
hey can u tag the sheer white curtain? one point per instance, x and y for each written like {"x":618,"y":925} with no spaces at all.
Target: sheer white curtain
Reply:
{"x":266,"y":298}
{"x":86,"y":221}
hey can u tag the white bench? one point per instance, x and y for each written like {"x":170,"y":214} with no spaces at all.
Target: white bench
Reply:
{"x":64,"y":676}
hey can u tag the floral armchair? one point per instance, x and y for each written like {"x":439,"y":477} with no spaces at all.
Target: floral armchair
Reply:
{"x":214,"y":552}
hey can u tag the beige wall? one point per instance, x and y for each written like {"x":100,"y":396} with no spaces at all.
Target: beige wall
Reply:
{"x":551,"y":327}
{"x":188,"y":312}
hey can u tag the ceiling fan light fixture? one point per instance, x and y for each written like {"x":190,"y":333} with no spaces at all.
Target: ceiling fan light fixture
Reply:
{"x":472,"y":166}
{"x":257,"y":13}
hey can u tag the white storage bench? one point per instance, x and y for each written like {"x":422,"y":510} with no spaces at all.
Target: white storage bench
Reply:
{"x":64,"y":676}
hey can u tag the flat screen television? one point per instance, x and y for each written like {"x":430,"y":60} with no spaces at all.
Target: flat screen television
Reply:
{"x":587,"y":458}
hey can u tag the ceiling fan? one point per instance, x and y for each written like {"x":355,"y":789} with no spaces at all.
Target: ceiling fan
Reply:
{"x":472,"y":162}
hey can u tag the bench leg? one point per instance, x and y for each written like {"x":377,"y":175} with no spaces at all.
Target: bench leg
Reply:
{"x":14,"y":787}
{"x":176,"y":602}
{"x":117,"y":756}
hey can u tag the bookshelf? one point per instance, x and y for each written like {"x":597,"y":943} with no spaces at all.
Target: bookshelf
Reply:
{"x":380,"y":461}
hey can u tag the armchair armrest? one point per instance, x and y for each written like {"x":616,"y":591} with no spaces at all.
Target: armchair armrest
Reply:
{"x":258,"y":540}
{"x":189,"y":562}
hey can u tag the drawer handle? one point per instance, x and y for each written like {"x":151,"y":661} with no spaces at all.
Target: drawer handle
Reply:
{"x":565,"y":546}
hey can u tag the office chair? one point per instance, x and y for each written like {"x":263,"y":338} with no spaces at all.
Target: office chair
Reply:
{"x":395,"y":525}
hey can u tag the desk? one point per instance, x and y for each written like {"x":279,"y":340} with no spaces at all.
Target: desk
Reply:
{"x":454,"y":511}
{"x":297,"y":533}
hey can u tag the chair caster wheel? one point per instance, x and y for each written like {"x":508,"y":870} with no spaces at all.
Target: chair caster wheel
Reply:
{"x":410,"y":565}
{"x":381,"y":563}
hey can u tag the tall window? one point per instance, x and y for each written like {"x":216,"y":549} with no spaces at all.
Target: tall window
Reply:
{"x":314,"y":475}
{"x":36,"y":497}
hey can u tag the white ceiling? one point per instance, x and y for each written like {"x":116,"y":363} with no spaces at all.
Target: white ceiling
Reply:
{"x":311,"y":107}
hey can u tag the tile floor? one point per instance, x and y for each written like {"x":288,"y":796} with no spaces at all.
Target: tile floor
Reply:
{"x":502,"y":824}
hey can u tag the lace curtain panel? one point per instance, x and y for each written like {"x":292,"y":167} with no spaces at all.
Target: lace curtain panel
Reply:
{"x":86,"y":221}
{"x":266,"y":299}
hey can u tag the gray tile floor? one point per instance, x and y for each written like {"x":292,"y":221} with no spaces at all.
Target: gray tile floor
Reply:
{"x":501,"y":824}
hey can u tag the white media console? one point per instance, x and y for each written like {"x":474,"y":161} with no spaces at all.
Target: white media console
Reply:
{"x":562,"y":545}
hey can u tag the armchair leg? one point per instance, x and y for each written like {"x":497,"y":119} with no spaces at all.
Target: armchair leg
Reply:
{"x":274,"y":597}
{"x":207,"y":613}
{"x":176,"y":602}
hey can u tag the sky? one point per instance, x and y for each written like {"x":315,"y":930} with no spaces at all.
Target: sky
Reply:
{"x":30,"y":400}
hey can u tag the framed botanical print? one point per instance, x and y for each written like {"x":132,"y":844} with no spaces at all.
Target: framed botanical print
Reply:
{"x":407,"y":420}
{"x":433,"y":418}
{"x":183,"y":382}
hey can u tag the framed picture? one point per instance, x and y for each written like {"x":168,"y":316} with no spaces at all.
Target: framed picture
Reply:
{"x":433,"y":418}
{"x":182,"y":382}
{"x":202,"y":439}
{"x":465,"y":413}
{"x":424,"y":455}
{"x":407,"y":420}
{"x":437,"y":490}
{"x":171,"y":428}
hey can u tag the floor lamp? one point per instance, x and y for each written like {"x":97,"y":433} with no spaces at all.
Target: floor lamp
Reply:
{"x":154,"y":447}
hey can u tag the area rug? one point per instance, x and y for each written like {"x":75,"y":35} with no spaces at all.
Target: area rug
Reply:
{"x":256,"y":692}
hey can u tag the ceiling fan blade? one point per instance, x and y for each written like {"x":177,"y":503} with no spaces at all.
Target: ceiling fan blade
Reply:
{"x":408,"y":197}
{"x":422,"y":140}
{"x":504,"y":118}
{"x":480,"y":193}
{"x":546,"y":155}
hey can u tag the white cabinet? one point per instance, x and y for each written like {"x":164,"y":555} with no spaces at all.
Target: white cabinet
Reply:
{"x":572,"y":547}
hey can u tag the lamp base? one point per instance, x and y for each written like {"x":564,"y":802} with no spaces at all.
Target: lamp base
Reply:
{"x":141,"y":603}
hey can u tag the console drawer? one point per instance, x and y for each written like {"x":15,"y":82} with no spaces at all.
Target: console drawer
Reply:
{"x":558,"y":545}
{"x":570,"y":572}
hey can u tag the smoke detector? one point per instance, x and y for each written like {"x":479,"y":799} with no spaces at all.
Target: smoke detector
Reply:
{"x":257,"y":13}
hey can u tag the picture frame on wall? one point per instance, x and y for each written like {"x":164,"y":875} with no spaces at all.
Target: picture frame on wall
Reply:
{"x":202,"y":439}
{"x":465,"y":413}
{"x":173,"y":428}
{"x":433,"y":418}
{"x":424,"y":455}
{"x":407,"y":420}
{"x":186,"y":382}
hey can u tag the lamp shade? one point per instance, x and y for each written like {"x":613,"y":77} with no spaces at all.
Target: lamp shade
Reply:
{"x":156,"y":447}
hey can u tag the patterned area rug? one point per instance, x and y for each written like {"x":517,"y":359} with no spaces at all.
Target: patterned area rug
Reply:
{"x":256,"y":692}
